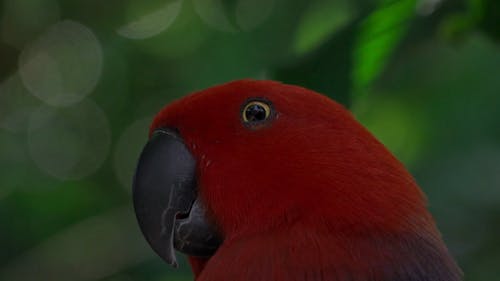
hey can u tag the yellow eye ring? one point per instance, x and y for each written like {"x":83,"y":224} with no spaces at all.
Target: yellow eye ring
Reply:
{"x":255,"y":112}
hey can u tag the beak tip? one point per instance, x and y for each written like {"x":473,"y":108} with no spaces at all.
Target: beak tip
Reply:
{"x":172,"y":261}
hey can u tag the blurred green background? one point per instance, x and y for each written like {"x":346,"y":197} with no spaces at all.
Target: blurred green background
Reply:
{"x":80,"y":81}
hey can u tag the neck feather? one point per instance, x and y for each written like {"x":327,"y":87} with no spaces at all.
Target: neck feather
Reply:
{"x":298,"y":255}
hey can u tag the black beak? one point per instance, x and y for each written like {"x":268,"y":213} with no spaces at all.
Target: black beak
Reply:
{"x":166,"y":201}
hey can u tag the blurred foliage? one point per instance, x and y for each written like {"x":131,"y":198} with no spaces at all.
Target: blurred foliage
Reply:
{"x":81,"y":80}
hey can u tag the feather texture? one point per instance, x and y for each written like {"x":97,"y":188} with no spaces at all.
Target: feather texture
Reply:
{"x":310,"y":196}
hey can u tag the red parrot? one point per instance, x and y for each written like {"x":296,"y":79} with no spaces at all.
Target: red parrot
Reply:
{"x":259,"y":180}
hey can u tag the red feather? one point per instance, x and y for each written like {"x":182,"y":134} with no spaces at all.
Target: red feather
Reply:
{"x":311,"y":196}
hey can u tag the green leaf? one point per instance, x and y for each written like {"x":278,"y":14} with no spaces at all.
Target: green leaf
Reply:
{"x":379,"y":35}
{"x":321,"y":20}
{"x":153,"y":23}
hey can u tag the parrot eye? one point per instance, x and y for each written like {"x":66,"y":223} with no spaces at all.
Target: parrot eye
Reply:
{"x":255,"y":112}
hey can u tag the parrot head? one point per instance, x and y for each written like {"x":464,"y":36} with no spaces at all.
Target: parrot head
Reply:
{"x":270,"y":176}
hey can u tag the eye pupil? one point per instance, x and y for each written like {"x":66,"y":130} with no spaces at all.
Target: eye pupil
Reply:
{"x":255,"y":112}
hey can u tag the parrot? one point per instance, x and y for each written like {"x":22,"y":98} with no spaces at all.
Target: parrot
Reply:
{"x":261,"y":180}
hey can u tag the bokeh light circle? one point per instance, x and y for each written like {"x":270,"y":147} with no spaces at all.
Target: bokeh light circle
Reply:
{"x":63,"y":65}
{"x":128,"y":149}
{"x":13,"y":163}
{"x":16,"y":104}
{"x":71,"y":142}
